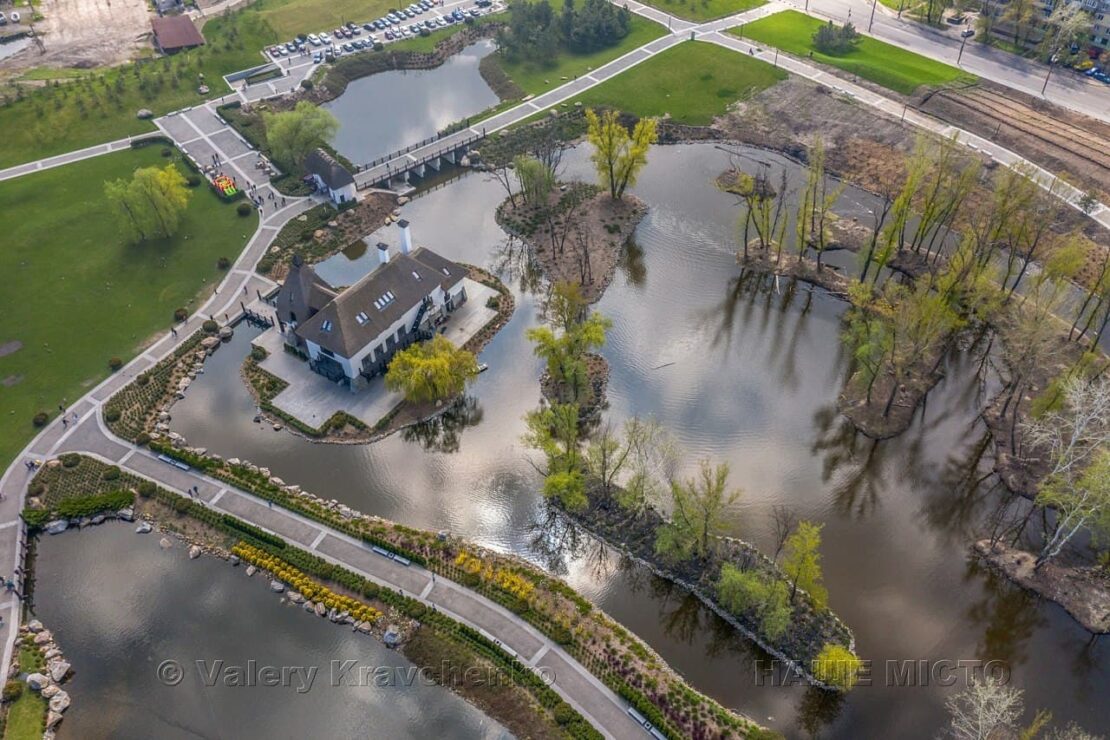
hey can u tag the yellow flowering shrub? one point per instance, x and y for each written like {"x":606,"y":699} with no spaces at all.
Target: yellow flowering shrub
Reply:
{"x":503,"y":578}
{"x":310,"y":589}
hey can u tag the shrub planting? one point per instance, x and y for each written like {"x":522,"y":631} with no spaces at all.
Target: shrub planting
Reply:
{"x":180,"y":314}
{"x":210,"y":327}
{"x":40,"y":419}
{"x":115,"y":363}
{"x":244,"y":209}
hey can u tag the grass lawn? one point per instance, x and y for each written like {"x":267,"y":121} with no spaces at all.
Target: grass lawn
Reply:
{"x":535,"y":79}
{"x":704,"y":10}
{"x":26,"y":717}
{"x":75,"y":296}
{"x":881,"y":63}
{"x":693,"y":82}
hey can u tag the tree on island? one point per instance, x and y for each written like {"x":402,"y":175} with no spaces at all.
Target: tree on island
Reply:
{"x":618,"y":155}
{"x":553,"y":430}
{"x":291,"y":135}
{"x":743,"y":592}
{"x":802,"y":563}
{"x":150,"y":204}
{"x":431,"y":371}
{"x":699,"y":509}
{"x":564,"y":344}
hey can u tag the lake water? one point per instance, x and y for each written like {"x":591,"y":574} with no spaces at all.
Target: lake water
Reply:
{"x":738,"y":372}
{"x":388,"y":111}
{"x":119,"y":606}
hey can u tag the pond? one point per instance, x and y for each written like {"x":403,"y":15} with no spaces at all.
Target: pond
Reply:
{"x":739,"y":371}
{"x":387,"y":111}
{"x":119,"y":606}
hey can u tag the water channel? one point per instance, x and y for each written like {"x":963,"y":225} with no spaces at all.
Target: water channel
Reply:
{"x":739,"y":372}
{"x":119,"y":606}
{"x":385,"y":112}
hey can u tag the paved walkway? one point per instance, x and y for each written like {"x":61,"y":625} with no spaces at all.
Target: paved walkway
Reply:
{"x":70,"y":157}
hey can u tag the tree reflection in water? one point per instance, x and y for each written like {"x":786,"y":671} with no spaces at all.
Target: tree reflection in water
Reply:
{"x":817,"y":709}
{"x":513,"y":261}
{"x":1007,"y":615}
{"x":443,"y":433}
{"x":632,"y":263}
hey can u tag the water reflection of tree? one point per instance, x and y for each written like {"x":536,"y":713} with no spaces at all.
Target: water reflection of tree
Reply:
{"x":632,"y":263}
{"x":443,"y":433}
{"x":1006,"y":613}
{"x":851,"y":458}
{"x":515,"y":262}
{"x":733,"y":318}
{"x":816,"y":709}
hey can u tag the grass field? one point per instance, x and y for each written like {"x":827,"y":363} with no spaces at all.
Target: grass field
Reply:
{"x":693,"y":82}
{"x":881,"y":63}
{"x":75,"y":296}
{"x":535,"y":79}
{"x":704,"y":10}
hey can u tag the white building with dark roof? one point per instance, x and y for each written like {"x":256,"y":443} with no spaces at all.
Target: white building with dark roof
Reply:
{"x":331,"y":177}
{"x":351,"y":335}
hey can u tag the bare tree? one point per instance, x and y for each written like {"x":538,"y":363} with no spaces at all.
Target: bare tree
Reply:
{"x":986,"y":708}
{"x":785,"y":522}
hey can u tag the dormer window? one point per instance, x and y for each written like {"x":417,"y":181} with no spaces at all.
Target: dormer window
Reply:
{"x":326,"y":326}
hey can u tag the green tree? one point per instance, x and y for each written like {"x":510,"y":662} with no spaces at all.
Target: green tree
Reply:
{"x":749,"y":593}
{"x":618,"y":155}
{"x":699,"y":508}
{"x":802,"y":563}
{"x":837,"y":666}
{"x":431,"y":371}
{"x":536,"y":181}
{"x":564,"y":344}
{"x":149,"y":205}
{"x":292,"y":135}
{"x":553,"y":430}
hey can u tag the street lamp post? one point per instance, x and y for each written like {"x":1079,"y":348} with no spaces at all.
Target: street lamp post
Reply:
{"x":959,"y":56}
{"x":1046,"y":78}
{"x":872,"y":21}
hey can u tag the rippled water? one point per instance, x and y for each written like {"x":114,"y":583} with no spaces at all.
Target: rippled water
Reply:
{"x":119,"y":606}
{"x":384,"y":112}
{"x":739,"y":372}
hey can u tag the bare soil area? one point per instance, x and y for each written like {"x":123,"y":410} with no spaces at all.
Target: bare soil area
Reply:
{"x":86,"y":34}
{"x":1084,"y":592}
{"x":1057,"y":139}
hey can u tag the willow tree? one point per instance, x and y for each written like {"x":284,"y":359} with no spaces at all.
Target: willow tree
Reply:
{"x":618,"y":155}
{"x":698,"y":513}
{"x":291,"y":135}
{"x":564,"y":344}
{"x":815,"y":206}
{"x":802,"y":563}
{"x":553,"y":430}
{"x":150,"y":204}
{"x":431,"y":371}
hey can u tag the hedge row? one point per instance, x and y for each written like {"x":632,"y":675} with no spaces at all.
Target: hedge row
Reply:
{"x":77,"y":507}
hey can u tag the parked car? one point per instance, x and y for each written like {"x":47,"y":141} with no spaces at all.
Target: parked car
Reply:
{"x":967,"y":33}
{"x":317,"y":58}
{"x":14,"y":16}
{"x":347,"y":48}
{"x":3,"y":20}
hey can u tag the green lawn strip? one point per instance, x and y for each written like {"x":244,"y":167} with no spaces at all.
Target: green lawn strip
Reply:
{"x":884,"y":64}
{"x":704,"y":10}
{"x":26,"y":717}
{"x":535,"y":79}
{"x":76,"y":296}
{"x":100,"y":107}
{"x":692,"y":82}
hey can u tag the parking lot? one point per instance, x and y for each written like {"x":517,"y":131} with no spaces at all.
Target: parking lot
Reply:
{"x":418,"y":19}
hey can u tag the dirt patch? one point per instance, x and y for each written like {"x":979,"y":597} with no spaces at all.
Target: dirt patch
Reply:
{"x":1056,"y":139}
{"x":1084,"y":592}
{"x":86,"y":34}
{"x":10,"y":348}
{"x":11,"y":380}
{"x":578,"y":236}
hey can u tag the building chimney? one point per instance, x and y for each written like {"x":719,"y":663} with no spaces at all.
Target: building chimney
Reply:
{"x":406,"y":236}
{"x":383,"y":252}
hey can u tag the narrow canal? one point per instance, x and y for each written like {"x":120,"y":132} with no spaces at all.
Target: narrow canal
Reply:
{"x":740,"y":372}
{"x":120,"y":606}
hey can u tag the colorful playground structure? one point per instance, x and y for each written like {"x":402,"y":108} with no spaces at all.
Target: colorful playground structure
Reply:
{"x":225,"y":186}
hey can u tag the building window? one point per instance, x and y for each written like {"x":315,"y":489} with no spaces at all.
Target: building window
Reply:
{"x":327,"y":352}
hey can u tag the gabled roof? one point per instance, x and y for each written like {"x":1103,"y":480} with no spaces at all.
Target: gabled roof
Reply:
{"x":360,"y":314}
{"x":303,"y":293}
{"x":328,"y":169}
{"x":176,"y":32}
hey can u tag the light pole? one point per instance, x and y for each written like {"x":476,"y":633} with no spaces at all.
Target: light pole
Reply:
{"x":872,"y":21}
{"x":959,"y":56}
{"x":1046,"y":77}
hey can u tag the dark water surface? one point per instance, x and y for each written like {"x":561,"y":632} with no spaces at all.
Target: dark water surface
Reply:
{"x":385,"y":112}
{"x":119,"y":606}
{"x":738,"y":372}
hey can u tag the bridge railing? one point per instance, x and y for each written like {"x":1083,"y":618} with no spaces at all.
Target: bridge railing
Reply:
{"x":413,"y":147}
